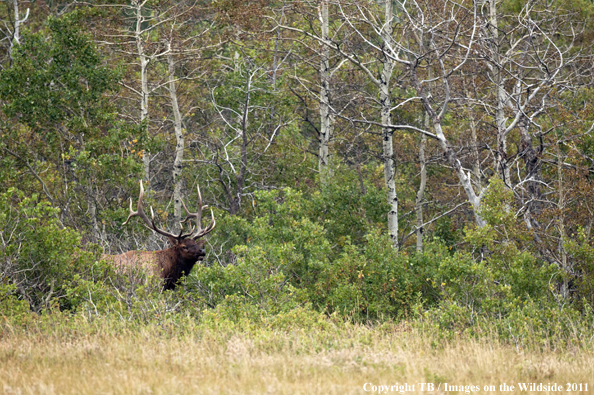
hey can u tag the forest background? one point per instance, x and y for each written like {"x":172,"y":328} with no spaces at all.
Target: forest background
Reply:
{"x":426,"y":164}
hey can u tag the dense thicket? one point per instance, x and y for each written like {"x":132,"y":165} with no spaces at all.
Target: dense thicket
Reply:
{"x":367,"y":160}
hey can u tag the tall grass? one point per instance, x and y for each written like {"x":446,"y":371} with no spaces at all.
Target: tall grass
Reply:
{"x":61,"y":354}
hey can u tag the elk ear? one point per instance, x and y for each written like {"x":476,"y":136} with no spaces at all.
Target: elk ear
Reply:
{"x":173,"y":241}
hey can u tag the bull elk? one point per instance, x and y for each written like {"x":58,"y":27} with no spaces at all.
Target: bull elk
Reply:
{"x":169,"y":264}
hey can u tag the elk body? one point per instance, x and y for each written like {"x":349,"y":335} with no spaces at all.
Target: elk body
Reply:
{"x":169,"y":264}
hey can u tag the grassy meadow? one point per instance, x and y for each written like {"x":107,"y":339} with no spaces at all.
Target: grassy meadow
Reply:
{"x":58,"y":357}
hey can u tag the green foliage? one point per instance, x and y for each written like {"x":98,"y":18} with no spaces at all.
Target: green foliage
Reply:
{"x":56,"y":80}
{"x":507,"y":290}
{"x":298,"y":249}
{"x":12,"y":307}
{"x":369,"y":282}
{"x":446,"y":232}
{"x":61,"y":122}
{"x":282,"y":254}
{"x":253,"y":286}
{"x":581,"y":251}
{"x":345,"y":211}
{"x":38,"y":256}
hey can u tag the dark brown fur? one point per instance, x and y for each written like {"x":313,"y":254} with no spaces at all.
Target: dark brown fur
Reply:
{"x":169,"y":264}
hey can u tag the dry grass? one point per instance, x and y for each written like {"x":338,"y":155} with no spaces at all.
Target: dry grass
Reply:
{"x":204,"y":361}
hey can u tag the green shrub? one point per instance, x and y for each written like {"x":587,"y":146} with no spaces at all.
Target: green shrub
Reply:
{"x":369,"y":282}
{"x":12,"y":308}
{"x":38,"y":256}
{"x":254,"y":285}
{"x":581,"y":253}
{"x":289,"y":258}
{"x":498,"y":285}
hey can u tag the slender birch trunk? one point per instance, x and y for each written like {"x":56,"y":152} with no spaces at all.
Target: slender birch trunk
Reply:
{"x":17,"y":24}
{"x":565,"y":265}
{"x":144,"y":90}
{"x":179,"y":142}
{"x":421,"y":191}
{"x":326,"y":120}
{"x":235,"y":201}
{"x":144,"y":61}
{"x":476,"y":163}
{"x":501,"y":97}
{"x":449,"y":153}
{"x":436,"y":121}
{"x":388,"y":149}
{"x":465,"y":179}
{"x":16,"y":36}
{"x":476,"y":159}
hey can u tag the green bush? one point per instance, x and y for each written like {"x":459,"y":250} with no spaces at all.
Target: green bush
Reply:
{"x":252,"y":286}
{"x":39,"y":257}
{"x":289,"y":258}
{"x":581,"y":253}
{"x":369,"y":282}
{"x":498,"y":285}
{"x":12,"y":307}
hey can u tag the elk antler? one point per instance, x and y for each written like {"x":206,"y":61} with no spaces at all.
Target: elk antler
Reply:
{"x":149,"y":223}
{"x":198,"y":216}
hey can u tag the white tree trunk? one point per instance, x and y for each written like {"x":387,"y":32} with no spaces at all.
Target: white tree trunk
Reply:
{"x":388,"y":149}
{"x":421,"y":191}
{"x":501,"y":97}
{"x":144,"y":90}
{"x":326,"y":119}
{"x":16,"y":36}
{"x":465,"y":179}
{"x":17,"y":24}
{"x":476,"y":163}
{"x":565,"y":264}
{"x":436,"y":121}
{"x":179,"y":142}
